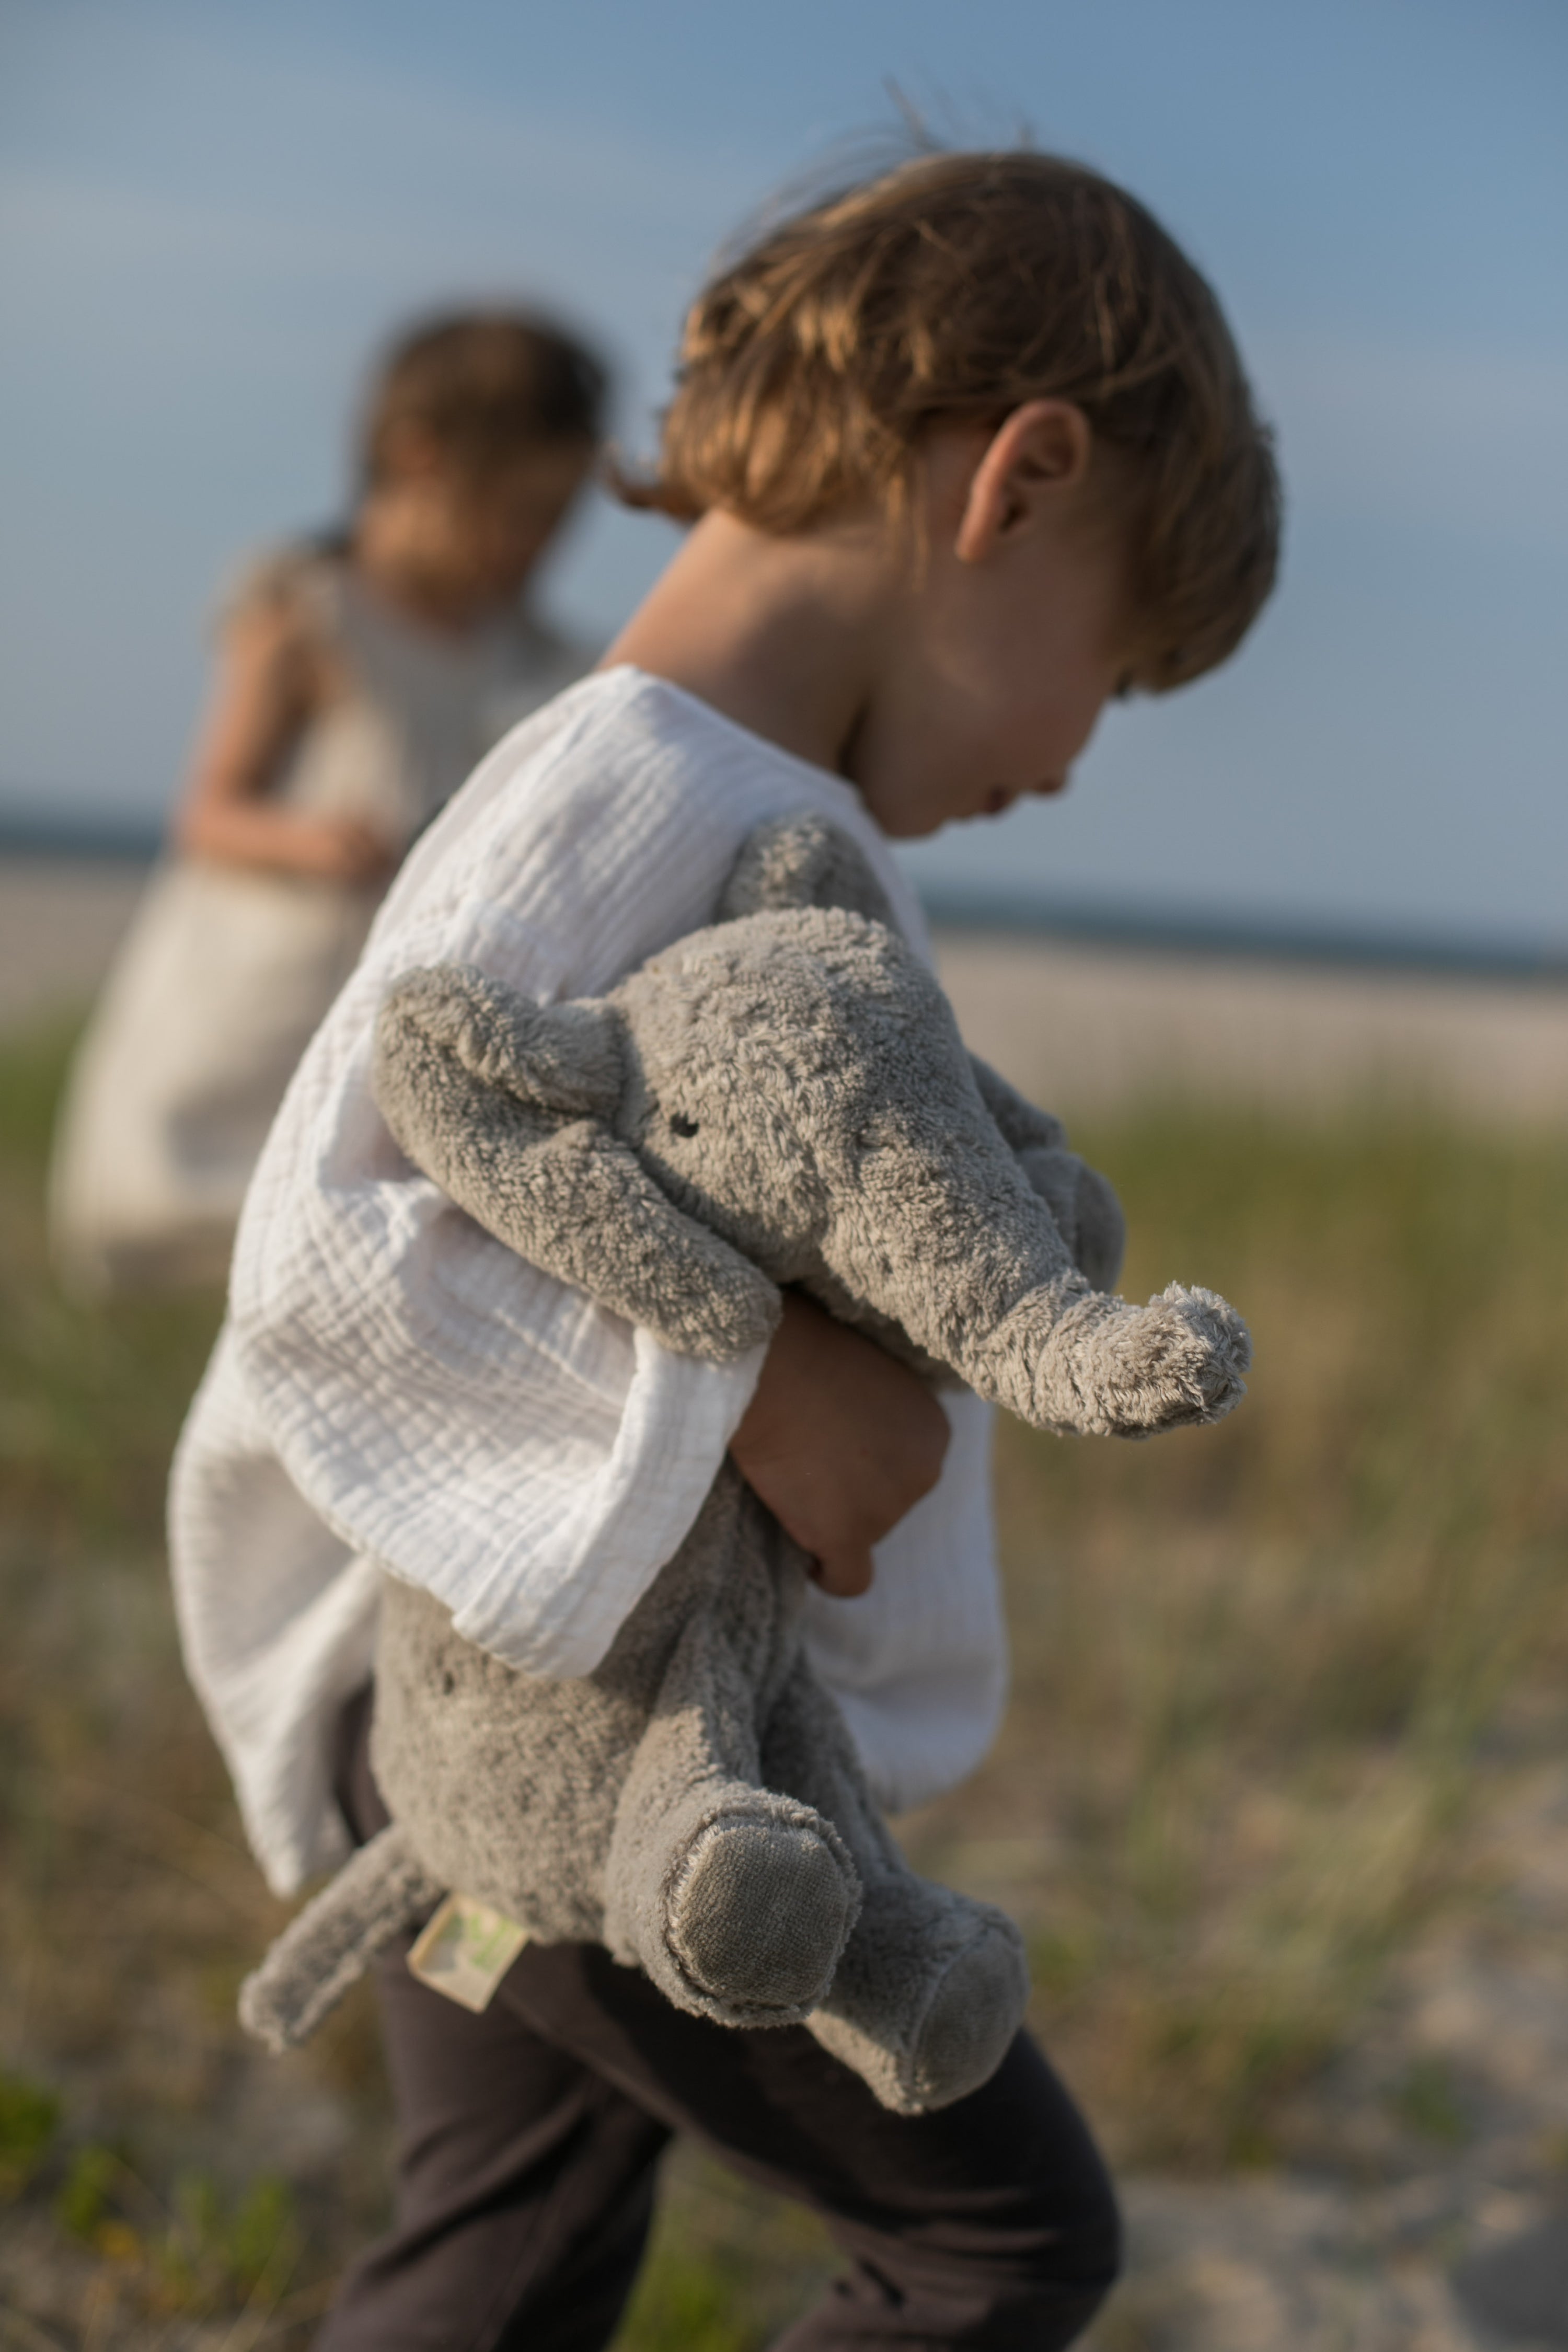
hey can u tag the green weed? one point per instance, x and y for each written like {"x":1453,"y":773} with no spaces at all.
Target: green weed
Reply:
{"x":203,"y":2251}
{"x":688,"y":2304}
{"x":29,"y":2118}
{"x":729,"y":2268}
{"x":1427,"y":2102}
{"x":86,"y":2195}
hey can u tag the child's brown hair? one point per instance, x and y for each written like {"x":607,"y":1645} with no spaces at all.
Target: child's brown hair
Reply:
{"x":480,"y":385}
{"x":961,"y":286}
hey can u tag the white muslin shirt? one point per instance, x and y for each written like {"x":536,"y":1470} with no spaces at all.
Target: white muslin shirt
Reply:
{"x":394,"y":1391}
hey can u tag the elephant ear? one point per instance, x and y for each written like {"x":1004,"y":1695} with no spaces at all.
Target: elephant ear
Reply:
{"x":1022,"y":1127}
{"x":803,"y":861}
{"x":565,"y":1058}
{"x":1086,"y":1209}
{"x":506,"y":1104}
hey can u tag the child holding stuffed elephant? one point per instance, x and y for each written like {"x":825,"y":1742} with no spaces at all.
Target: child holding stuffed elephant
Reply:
{"x":967,"y":450}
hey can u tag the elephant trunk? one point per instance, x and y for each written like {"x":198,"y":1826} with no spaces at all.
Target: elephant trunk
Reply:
{"x":1097,"y":1367}
{"x":960,"y":1251}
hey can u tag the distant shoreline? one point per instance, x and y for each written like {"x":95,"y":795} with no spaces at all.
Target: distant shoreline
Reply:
{"x":1006,"y":910}
{"x":1159,"y":931}
{"x":1081,"y":1007}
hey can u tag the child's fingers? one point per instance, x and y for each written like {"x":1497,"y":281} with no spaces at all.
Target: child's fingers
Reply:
{"x":844,"y":1574}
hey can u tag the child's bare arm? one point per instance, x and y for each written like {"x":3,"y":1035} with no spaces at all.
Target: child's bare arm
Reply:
{"x":266,"y":694}
{"x":839,"y":1440}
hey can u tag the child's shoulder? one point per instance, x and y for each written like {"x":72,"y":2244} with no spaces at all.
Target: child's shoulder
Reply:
{"x":609,"y":823}
{"x":291,"y":582}
{"x":628,"y":751}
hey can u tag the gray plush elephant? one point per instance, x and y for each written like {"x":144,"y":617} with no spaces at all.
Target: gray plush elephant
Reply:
{"x":782,"y":1099}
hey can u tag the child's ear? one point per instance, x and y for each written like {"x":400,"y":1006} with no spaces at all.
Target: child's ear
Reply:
{"x":1036,"y":457}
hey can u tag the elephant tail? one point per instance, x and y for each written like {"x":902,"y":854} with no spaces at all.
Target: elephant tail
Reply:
{"x":379,"y":1890}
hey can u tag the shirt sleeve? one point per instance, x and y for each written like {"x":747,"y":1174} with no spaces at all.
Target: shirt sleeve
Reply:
{"x":480,"y":1428}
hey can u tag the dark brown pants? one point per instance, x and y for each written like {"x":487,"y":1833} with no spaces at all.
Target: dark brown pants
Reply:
{"x":530,"y":2138}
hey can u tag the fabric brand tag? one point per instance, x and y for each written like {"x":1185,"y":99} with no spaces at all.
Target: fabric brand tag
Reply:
{"x":466,"y":1950}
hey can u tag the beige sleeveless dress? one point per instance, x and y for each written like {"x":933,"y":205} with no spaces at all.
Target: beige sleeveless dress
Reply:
{"x":227,"y":970}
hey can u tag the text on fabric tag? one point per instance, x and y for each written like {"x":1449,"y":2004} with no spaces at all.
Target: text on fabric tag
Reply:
{"x":466,"y":1950}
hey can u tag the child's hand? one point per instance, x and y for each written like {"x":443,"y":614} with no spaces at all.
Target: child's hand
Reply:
{"x":839,"y":1440}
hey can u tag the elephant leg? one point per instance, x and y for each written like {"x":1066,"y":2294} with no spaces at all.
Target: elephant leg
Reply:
{"x":379,"y":1890}
{"x":734,"y":1900}
{"x":932,"y":1986}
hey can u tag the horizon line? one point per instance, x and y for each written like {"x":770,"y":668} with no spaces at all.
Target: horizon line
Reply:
{"x":979,"y":907}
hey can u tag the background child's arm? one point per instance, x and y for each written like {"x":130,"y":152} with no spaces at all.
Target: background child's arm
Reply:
{"x":267,"y":689}
{"x":839,"y":1440}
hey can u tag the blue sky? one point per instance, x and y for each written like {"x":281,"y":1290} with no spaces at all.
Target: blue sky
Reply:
{"x":208,"y":213}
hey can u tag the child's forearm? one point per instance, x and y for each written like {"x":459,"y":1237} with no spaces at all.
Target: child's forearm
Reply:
{"x":267,"y":689}
{"x":261,"y":834}
{"x":839,"y":1440}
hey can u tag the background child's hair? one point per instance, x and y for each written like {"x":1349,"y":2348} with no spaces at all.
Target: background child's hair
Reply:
{"x":961,"y":285}
{"x":478,"y":386}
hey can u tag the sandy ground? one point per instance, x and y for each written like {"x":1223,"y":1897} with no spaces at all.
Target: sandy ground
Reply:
{"x":1075,"y":1026}
{"x":60,"y":922}
{"x":1091,"y":1027}
{"x":1428,"y":2225}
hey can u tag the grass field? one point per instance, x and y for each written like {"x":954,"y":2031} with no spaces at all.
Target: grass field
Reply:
{"x":1261,"y":1674}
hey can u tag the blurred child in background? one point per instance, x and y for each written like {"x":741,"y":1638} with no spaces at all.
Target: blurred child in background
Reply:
{"x":361,"y":674}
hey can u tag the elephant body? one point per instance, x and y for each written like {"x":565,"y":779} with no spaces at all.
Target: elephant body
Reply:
{"x":695,"y":1804}
{"x":782,"y":1099}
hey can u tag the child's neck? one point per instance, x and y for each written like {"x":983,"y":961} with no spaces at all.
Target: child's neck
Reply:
{"x":784,"y":635}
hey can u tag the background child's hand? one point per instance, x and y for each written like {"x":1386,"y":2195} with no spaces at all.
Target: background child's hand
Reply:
{"x":337,"y":849}
{"x":839,"y":1440}
{"x":269,"y":687}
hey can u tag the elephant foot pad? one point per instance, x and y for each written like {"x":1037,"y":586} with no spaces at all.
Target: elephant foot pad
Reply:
{"x":967,"y":2031}
{"x":760,"y":1914}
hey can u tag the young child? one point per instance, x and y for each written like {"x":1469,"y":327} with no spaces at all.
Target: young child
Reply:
{"x":360,"y":676}
{"x":968,"y":450}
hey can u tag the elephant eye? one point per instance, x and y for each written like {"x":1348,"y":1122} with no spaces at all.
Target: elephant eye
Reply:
{"x":680,"y":1125}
